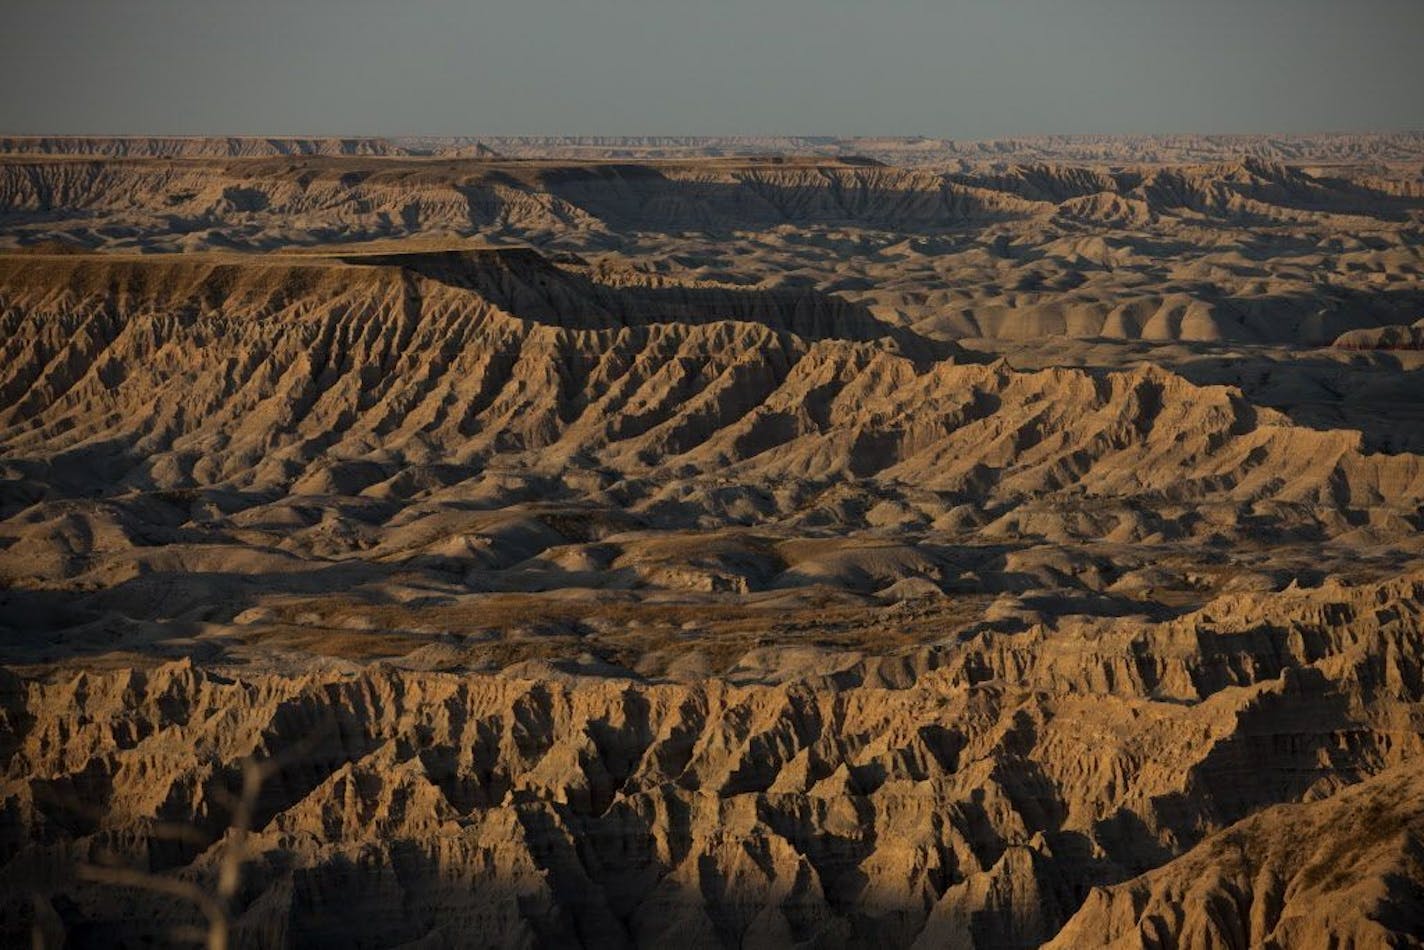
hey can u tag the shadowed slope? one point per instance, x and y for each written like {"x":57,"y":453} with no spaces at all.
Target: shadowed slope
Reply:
{"x":975,"y":801}
{"x":269,"y":372}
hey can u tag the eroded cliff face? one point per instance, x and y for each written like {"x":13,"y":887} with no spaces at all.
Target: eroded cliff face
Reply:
{"x":1345,"y":871}
{"x":260,"y":373}
{"x":451,"y":594}
{"x":974,"y":801}
{"x":1233,"y":246}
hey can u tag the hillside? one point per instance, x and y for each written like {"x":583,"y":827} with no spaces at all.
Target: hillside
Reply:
{"x":1245,"y":252}
{"x":729,"y":551}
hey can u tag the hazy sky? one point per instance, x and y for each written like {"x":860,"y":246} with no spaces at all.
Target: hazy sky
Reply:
{"x":621,"y":67}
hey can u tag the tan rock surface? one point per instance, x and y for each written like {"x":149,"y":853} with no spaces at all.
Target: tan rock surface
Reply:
{"x":1345,"y":871}
{"x":712,"y":552}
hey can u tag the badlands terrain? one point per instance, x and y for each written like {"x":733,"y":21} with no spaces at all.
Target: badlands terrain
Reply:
{"x":712,"y":542}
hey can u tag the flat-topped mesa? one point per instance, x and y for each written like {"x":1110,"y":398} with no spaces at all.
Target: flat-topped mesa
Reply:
{"x":1099,"y":149}
{"x":1208,"y":252}
{"x":454,"y":194}
{"x":529,"y":286}
{"x":195,"y":146}
{"x":519,"y":281}
{"x":126,"y":285}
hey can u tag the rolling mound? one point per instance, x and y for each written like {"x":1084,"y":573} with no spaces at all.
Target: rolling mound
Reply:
{"x":1384,"y":338}
{"x":1248,"y":251}
{"x":735,"y":551}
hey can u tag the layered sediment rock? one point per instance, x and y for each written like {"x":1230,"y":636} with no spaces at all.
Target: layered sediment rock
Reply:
{"x":977,"y":802}
{"x":443,"y":592}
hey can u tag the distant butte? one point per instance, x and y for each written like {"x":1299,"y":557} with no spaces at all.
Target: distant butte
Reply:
{"x":729,"y":542}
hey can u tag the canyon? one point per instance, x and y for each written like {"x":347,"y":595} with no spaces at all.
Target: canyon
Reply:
{"x":739,"y":542}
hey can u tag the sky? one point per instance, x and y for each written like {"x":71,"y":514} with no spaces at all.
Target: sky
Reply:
{"x":713,"y":67}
